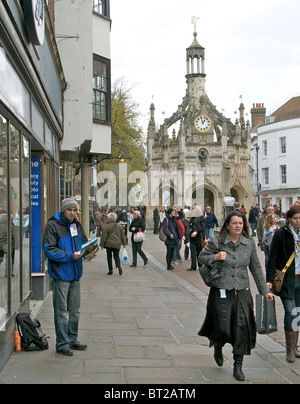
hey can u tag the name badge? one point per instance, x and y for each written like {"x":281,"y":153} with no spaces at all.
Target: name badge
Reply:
{"x":223,"y":294}
{"x":73,"y":230}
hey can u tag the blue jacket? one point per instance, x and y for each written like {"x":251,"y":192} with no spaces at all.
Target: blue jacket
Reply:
{"x":211,"y":220}
{"x":59,"y":247}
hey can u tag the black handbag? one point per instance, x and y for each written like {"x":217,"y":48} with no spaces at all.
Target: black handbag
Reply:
{"x":210,"y":273}
{"x":266,"y":321}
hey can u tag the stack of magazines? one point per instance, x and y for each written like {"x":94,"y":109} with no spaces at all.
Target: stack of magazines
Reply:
{"x":89,"y":248}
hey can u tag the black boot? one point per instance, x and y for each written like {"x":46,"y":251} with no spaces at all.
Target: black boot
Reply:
{"x":237,"y":368}
{"x":218,"y":354}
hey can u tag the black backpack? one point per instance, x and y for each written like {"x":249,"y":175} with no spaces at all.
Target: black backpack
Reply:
{"x":32,"y":337}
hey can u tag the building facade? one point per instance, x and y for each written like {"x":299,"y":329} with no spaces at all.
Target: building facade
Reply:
{"x":31,"y":128}
{"x":82,"y":30}
{"x":277,"y":145}
{"x":207,"y":158}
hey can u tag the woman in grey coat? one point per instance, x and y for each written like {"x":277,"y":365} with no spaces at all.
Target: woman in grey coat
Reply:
{"x":230,"y":316}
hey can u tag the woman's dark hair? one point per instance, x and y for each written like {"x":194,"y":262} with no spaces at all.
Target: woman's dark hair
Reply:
{"x":224,"y":231}
{"x":294,"y":209}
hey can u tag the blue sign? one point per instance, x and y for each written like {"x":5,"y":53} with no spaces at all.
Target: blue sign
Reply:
{"x":36,"y":214}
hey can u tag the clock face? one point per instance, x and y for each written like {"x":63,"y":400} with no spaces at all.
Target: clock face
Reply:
{"x":202,"y":123}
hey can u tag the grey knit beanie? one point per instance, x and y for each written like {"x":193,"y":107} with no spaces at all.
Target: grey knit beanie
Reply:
{"x":68,"y":203}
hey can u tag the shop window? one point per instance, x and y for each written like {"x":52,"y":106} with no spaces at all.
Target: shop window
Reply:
{"x":14,"y":266}
{"x":26,"y":228}
{"x":4,"y":311}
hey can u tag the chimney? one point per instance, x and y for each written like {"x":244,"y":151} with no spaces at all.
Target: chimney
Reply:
{"x":258,"y":114}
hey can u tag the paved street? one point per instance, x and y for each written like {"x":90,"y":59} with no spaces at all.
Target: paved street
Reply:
{"x":141,"y":328}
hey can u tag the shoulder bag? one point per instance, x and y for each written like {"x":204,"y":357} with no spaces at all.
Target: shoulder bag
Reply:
{"x":139,"y":236}
{"x":162,"y":235}
{"x":279,"y":276}
{"x":211,"y":273}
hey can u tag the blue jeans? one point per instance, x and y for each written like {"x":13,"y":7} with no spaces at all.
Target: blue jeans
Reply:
{"x":66,"y":304}
{"x":210,"y":232}
{"x":176,"y":253}
{"x":290,"y":316}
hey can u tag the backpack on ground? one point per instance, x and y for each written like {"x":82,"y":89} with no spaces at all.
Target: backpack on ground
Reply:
{"x":32,"y":337}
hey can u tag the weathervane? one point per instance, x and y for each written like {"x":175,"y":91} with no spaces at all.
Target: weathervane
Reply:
{"x":194,"y":21}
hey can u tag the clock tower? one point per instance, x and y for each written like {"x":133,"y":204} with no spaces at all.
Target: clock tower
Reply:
{"x":195,"y":59}
{"x":198,"y":156}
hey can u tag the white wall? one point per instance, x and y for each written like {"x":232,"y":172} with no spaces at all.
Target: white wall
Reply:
{"x":274,"y":159}
{"x":76,"y":18}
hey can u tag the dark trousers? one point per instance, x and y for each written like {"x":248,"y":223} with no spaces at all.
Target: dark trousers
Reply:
{"x":137,"y":248}
{"x":195,"y":251}
{"x":110,"y":252}
{"x":169,"y":257}
{"x":186,"y":251}
{"x":156,"y":224}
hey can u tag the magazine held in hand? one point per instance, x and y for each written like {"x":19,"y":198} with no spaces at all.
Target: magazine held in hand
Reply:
{"x":85,"y":248}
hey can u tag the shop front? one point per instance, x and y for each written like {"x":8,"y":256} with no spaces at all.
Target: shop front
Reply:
{"x":31,"y":92}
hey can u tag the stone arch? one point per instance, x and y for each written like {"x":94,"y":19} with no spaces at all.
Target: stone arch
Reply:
{"x":237,"y":193}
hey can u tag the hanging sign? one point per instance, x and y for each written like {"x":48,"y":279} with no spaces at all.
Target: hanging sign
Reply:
{"x":34,"y":14}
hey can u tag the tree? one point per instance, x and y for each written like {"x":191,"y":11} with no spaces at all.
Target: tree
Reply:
{"x":127,"y":136}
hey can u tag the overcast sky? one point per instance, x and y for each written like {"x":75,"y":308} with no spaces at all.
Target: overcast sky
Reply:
{"x":252,"y":50}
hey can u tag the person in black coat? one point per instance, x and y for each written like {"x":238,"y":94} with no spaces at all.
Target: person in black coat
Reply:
{"x":286,"y":241}
{"x":156,"y":220}
{"x":137,"y":223}
{"x":197,"y":235}
{"x":172,"y":231}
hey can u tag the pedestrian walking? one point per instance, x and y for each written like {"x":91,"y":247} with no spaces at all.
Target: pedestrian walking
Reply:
{"x":186,"y":223}
{"x":197,"y":235}
{"x":270,"y":226}
{"x":113,"y":237}
{"x":230,"y":316}
{"x":253,"y":216}
{"x":285,"y":242}
{"x":176,"y":254}
{"x":138,"y":224}
{"x":156,"y":219}
{"x":62,"y":242}
{"x":260,"y":226}
{"x":97,"y":218}
{"x":172,"y":231}
{"x":210,"y":222}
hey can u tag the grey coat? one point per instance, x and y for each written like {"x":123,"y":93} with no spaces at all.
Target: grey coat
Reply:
{"x":234,"y":269}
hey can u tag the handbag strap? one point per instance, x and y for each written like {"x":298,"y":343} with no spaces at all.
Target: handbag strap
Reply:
{"x":111,"y":231}
{"x":289,"y":262}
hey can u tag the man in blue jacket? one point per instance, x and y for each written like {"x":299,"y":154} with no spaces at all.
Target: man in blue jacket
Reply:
{"x":62,"y":242}
{"x":211,"y":221}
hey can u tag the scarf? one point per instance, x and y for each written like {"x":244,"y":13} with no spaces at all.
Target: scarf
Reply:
{"x":296,"y":236}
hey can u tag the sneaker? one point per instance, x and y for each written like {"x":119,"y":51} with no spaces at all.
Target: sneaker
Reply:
{"x":67,"y":351}
{"x":78,"y":346}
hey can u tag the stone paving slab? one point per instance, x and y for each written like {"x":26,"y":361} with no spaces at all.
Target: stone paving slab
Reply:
{"x":141,"y":328}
